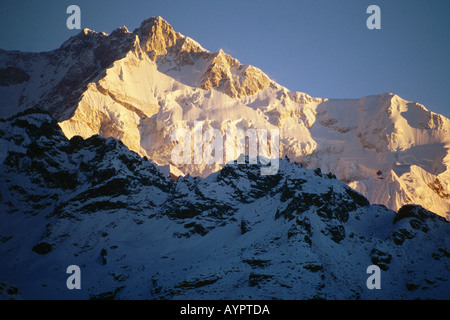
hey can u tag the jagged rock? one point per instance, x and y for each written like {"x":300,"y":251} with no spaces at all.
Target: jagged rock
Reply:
{"x":8,"y":291}
{"x":42,"y":248}
{"x":255,"y":279}
{"x":336,"y":233}
{"x":381,"y":259}
{"x":221,"y":74}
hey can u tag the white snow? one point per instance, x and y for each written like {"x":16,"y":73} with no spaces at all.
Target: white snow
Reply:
{"x":141,"y":102}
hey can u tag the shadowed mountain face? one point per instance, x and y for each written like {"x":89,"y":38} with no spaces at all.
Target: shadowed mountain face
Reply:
{"x":141,"y":86}
{"x":299,"y":234}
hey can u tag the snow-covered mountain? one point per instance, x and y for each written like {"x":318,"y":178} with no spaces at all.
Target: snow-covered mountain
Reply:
{"x":236,"y":234}
{"x":140,"y":86}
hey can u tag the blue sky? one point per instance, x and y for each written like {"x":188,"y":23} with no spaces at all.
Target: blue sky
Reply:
{"x":320,"y":47}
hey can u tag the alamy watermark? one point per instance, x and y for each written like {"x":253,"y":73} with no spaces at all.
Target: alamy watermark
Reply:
{"x":374,"y":21}
{"x":374,"y":280}
{"x":74,"y":20}
{"x":74,"y":280}
{"x":207,"y":147}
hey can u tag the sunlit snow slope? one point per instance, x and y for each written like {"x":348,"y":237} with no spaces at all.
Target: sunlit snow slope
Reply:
{"x":140,"y":86}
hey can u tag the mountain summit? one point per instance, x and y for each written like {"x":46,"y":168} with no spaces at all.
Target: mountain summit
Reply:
{"x":158,"y":38}
{"x":140,"y":86}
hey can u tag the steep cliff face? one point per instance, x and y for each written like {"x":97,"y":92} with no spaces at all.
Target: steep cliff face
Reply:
{"x":141,"y":86}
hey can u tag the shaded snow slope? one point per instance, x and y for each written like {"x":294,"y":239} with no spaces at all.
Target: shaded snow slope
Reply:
{"x":299,"y":234}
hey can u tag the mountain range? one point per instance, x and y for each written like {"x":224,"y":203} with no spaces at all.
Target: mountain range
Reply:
{"x":236,"y":234}
{"x":87,"y":178}
{"x":140,"y":86}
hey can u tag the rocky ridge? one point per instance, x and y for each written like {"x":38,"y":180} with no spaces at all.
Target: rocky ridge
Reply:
{"x":141,"y":86}
{"x":299,"y":234}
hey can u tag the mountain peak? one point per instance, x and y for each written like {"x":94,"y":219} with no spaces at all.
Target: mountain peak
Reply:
{"x":154,"y":21}
{"x":230,"y":76}
{"x":156,"y":36}
{"x":140,"y":86}
{"x":84,"y":35}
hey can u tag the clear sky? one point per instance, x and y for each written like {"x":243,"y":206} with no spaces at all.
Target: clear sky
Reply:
{"x":320,"y":47}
